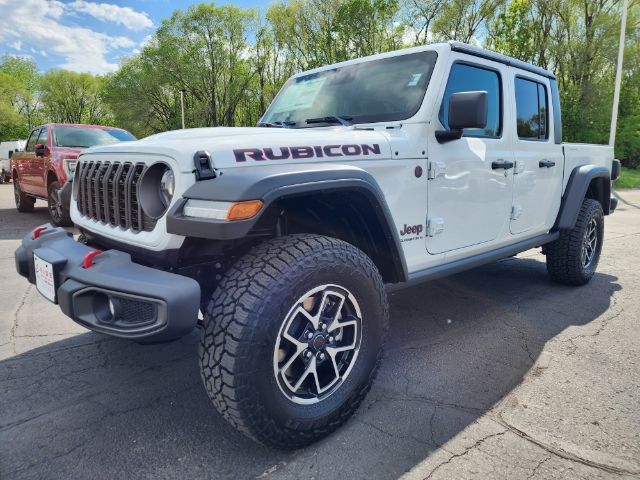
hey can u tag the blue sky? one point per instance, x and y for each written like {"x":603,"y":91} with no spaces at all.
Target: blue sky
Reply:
{"x":85,"y":35}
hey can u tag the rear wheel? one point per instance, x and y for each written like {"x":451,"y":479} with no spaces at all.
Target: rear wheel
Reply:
{"x":24,"y":203}
{"x":58,"y":211}
{"x":293,"y":338}
{"x":573,"y":258}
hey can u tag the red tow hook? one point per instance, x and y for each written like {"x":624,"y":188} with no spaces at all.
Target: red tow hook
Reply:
{"x":38,"y":230}
{"x":87,"y":261}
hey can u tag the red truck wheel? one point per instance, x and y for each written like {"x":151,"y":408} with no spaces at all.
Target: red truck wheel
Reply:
{"x":24,"y":202}
{"x":58,"y":211}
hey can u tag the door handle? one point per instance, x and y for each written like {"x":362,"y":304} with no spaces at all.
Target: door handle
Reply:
{"x":546,"y":163}
{"x":506,"y":164}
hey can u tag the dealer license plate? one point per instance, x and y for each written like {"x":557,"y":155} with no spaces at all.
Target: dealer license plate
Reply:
{"x":45,"y":282}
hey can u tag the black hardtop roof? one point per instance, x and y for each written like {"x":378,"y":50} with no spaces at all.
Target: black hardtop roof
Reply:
{"x":498,"y":57}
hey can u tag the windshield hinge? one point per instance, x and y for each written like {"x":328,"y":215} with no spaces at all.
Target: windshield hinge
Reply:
{"x":204,"y":169}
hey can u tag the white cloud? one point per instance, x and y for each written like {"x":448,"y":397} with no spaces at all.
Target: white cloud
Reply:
{"x":145,"y":41}
{"x":17,"y":45}
{"x":39,"y":26}
{"x":108,"y":12}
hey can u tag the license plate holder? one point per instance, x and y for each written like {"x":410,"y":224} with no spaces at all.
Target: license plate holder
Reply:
{"x":45,"y":278}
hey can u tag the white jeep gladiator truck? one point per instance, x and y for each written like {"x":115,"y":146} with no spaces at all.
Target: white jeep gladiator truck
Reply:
{"x":361,"y":177}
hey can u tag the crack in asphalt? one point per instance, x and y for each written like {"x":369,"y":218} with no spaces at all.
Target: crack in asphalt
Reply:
{"x":14,"y":326}
{"x":55,"y":350}
{"x":604,"y":323}
{"x":465,"y":452}
{"x":431,"y":419}
{"x":563,"y":454}
{"x":537,"y":467}
{"x":48,"y":460}
{"x":395,"y":435}
{"x":626,"y":202}
{"x":108,"y":413}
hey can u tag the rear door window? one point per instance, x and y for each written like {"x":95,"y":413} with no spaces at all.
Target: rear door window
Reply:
{"x":532,"y":109}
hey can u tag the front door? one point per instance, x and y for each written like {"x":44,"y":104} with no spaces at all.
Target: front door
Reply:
{"x":539,"y":160}
{"x":40,"y":165}
{"x":470,"y":186}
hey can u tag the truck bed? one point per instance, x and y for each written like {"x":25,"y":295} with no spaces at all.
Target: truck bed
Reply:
{"x":576,"y":154}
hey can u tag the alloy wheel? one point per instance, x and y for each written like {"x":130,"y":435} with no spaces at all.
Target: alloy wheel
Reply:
{"x":590,"y":244}
{"x":318,"y":344}
{"x":55,"y":205}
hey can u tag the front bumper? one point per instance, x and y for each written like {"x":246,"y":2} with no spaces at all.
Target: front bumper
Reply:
{"x":114,"y":295}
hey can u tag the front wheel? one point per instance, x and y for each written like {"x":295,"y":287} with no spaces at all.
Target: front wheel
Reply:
{"x":293,"y":338}
{"x":58,"y":211}
{"x":573,"y":258}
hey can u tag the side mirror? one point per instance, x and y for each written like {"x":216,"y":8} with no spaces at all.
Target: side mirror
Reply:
{"x":40,"y":150}
{"x":466,"y":110}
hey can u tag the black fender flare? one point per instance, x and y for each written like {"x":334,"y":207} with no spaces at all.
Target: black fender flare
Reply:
{"x":270,"y":183}
{"x":576,"y":191}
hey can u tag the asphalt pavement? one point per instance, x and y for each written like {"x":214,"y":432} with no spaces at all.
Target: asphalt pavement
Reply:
{"x":492,"y":373}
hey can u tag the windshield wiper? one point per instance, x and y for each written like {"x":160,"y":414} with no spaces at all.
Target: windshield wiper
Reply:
{"x":341,"y":119}
{"x":278,"y":124}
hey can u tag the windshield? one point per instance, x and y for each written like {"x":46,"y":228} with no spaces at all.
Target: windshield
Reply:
{"x":85,"y":137}
{"x":388,"y":89}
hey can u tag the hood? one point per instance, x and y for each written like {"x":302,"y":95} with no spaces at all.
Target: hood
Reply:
{"x":243,"y":146}
{"x":67,"y":152}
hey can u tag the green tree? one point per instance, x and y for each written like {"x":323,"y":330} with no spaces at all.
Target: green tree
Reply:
{"x":464,"y":19}
{"x":11,"y":122}
{"x":205,"y":52}
{"x":320,"y":32}
{"x":26,"y":103}
{"x":418,"y":17}
{"x":73,"y":98}
{"x":140,"y":96}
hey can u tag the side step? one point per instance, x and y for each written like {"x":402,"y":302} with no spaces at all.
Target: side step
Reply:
{"x":463,"y":264}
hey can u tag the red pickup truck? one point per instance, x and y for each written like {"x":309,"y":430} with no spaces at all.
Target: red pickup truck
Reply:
{"x":49,"y":158}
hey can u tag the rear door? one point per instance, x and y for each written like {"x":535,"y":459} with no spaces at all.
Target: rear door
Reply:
{"x":469,"y":194}
{"x":25,"y":163}
{"x":539,"y":160}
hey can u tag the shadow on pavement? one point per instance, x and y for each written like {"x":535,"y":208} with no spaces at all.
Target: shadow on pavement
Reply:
{"x":14,"y":225}
{"x":92,"y":407}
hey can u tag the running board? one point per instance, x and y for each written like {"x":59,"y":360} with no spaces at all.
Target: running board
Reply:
{"x":463,"y":264}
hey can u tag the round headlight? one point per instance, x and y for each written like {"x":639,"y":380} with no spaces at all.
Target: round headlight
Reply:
{"x":167,"y":185}
{"x":156,"y":189}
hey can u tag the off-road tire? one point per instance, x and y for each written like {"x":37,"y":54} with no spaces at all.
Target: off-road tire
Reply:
{"x":24,"y":202}
{"x":58,"y":211}
{"x":243,"y":321}
{"x":565,"y":258}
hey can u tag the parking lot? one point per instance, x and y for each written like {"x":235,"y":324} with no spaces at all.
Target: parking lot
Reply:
{"x":494,"y":373}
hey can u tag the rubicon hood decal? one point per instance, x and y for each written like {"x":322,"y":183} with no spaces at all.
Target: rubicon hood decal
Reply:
{"x":284,"y":153}
{"x":244,"y":147}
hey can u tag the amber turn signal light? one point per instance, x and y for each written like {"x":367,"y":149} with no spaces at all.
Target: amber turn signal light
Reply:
{"x":243,"y":210}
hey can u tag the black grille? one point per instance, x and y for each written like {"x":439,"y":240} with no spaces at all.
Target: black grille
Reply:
{"x":108,"y":192}
{"x":136,"y":313}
